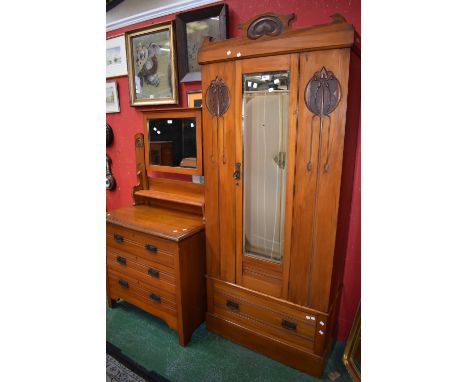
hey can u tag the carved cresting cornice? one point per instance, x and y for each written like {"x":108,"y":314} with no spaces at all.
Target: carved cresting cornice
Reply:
{"x":270,"y":34}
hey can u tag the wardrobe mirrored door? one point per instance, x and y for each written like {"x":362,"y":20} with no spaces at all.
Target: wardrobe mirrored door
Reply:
{"x":265,"y":101}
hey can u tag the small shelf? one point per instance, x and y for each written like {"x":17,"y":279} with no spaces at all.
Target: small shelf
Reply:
{"x":184,"y":198}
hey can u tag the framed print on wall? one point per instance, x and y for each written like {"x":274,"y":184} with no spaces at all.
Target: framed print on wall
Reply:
{"x":116,"y":57}
{"x":112,"y":97}
{"x":194,"y":98}
{"x":152,"y":75}
{"x":191,"y":28}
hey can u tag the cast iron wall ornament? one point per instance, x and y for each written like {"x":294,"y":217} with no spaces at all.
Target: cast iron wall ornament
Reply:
{"x":217,"y":103}
{"x":110,"y":180}
{"x":109,"y":135}
{"x":322,"y":95}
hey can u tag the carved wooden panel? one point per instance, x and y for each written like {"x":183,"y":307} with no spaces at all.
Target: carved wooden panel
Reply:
{"x":267,"y":24}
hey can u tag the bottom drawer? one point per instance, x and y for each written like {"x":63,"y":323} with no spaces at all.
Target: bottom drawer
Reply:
{"x":267,"y":316}
{"x":147,"y":297}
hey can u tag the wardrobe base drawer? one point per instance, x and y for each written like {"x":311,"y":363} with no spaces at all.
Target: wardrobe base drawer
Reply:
{"x":284,"y":321}
{"x":282,"y":352}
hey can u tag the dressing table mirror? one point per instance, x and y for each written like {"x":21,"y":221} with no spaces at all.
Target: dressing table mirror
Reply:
{"x":173,"y":141}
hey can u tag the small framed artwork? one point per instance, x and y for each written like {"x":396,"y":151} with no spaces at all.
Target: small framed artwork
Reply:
{"x":116,"y":57}
{"x":112,"y":97}
{"x":152,"y":75}
{"x":192,"y":27}
{"x":194,"y":98}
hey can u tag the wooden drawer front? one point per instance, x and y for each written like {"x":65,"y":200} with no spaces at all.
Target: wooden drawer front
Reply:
{"x":123,"y":286}
{"x":150,"y":272}
{"x":143,"y":245}
{"x":263,"y":315}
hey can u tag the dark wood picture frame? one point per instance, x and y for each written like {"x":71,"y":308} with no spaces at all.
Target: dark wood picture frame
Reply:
{"x":172,"y":114}
{"x":181,"y":21}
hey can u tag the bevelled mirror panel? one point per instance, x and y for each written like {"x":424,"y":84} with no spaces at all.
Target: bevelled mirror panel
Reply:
{"x":265,"y":104}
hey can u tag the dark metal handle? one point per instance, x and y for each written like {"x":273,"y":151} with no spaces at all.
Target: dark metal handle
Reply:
{"x":288,"y":325}
{"x":155,"y":297}
{"x":232,"y":305}
{"x":151,"y":248}
{"x":122,"y":260}
{"x":236,"y":174}
{"x":118,"y":238}
{"x":153,"y":272}
{"x":123,"y":283}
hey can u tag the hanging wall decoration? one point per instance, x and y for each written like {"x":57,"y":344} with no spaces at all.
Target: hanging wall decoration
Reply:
{"x":217,"y":103}
{"x":110,"y":180}
{"x":109,"y":135}
{"x":322,"y":95}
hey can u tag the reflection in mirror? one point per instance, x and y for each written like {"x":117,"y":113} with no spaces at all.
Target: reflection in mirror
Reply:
{"x":172,"y":142}
{"x":265,"y":102}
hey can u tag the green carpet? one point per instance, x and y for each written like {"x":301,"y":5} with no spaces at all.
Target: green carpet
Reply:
{"x":208,"y":357}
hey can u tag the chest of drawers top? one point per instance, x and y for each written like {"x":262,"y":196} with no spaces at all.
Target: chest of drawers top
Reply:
{"x":164,"y":223}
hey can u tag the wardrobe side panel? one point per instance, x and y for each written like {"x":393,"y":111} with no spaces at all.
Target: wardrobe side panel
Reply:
{"x":219,"y":163}
{"x":317,"y":189}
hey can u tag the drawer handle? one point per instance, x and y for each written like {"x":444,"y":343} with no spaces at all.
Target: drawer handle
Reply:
{"x":122,"y":260}
{"x":123,"y":283}
{"x":118,"y":238}
{"x":153,"y":272}
{"x":155,"y":297}
{"x":151,"y":248}
{"x":288,"y":325}
{"x":232,"y":305}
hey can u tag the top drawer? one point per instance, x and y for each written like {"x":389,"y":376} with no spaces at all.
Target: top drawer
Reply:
{"x":141,"y":244}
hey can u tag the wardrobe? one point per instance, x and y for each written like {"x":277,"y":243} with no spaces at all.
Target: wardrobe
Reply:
{"x":274,"y":118}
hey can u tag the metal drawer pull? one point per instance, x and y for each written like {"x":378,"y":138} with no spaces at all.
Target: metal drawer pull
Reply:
{"x":118,"y":238}
{"x":150,"y":248}
{"x":155,"y":297}
{"x":122,"y":260}
{"x":288,"y":325}
{"x":123,"y":283}
{"x":153,"y":272}
{"x":232,"y":305}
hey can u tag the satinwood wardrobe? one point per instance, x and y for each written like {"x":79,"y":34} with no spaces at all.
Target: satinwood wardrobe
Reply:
{"x":273,"y":135}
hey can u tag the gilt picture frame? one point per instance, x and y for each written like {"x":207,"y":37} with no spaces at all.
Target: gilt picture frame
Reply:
{"x":192,"y":27}
{"x":352,"y":351}
{"x":116,"y":57}
{"x":152,"y":74}
{"x":194,"y":98}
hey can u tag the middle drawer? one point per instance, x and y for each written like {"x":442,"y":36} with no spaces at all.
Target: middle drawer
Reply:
{"x":142,"y":269}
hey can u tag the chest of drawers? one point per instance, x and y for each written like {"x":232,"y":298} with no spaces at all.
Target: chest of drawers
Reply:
{"x":155,"y":261}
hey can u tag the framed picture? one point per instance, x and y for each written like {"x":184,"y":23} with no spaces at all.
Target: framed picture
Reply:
{"x":194,"y":98}
{"x":152,"y":76}
{"x":112,"y":97}
{"x":191,"y":28}
{"x":352,"y":352}
{"x":116,"y":57}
